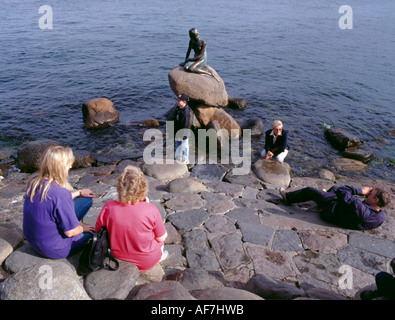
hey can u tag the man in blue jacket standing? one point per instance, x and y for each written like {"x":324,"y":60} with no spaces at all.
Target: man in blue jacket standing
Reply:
{"x":339,"y":206}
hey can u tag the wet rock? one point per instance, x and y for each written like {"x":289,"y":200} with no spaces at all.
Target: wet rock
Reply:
{"x":268,"y":288}
{"x":30,"y":153}
{"x":237,"y":103}
{"x":49,"y":280}
{"x":349,"y":164}
{"x":255,"y":125}
{"x":327,"y":175}
{"x":99,"y":113}
{"x":106,"y":284}
{"x":273,"y":172}
{"x":341,"y":139}
{"x":361,"y":153}
{"x":199,"y":87}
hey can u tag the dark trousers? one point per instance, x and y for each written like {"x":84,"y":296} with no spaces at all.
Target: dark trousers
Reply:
{"x":81,"y":208}
{"x":310,"y":194}
{"x":385,"y":285}
{"x":324,"y":199}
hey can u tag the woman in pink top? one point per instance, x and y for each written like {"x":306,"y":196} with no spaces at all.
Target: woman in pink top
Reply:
{"x":136,"y":228}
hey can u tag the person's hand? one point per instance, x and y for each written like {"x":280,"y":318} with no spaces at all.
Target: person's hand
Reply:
{"x":366,"y":190}
{"x":87,"y":228}
{"x":87,"y":193}
{"x":269,"y":155}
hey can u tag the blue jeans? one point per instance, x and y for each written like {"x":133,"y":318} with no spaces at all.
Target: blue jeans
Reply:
{"x":81,"y":208}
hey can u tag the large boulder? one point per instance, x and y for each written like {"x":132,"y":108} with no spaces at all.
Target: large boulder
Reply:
{"x":273,"y":172}
{"x":29,"y":154}
{"x":203,"y":88}
{"x":206,"y":114}
{"x":341,"y":139}
{"x":99,"y":113}
{"x":49,"y":280}
{"x":361,"y":153}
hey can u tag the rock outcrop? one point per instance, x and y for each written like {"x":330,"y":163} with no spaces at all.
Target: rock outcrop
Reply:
{"x":99,"y":113}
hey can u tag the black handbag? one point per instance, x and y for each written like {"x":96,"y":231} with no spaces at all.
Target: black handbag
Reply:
{"x":97,"y":254}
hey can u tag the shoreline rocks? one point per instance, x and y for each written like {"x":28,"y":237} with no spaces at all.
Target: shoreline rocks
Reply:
{"x":229,"y":236}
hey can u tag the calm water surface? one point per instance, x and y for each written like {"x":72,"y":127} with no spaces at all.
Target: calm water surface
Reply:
{"x":289,"y":59}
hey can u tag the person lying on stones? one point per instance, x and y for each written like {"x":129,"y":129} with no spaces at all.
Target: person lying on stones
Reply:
{"x":199,"y":60}
{"x":338,"y":205}
{"x":52,"y":212}
{"x":136,"y":229}
{"x":276,"y":142}
{"x":385,"y":283}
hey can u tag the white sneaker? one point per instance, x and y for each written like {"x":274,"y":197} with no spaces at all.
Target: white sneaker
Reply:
{"x":165,"y":254}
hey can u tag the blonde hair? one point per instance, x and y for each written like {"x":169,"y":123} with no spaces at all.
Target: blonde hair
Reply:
{"x":54,"y":166}
{"x":277,"y":123}
{"x":132,"y":186}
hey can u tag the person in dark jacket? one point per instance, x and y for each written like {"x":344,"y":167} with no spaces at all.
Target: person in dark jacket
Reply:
{"x":339,"y":206}
{"x":182,"y":119}
{"x":276,"y":142}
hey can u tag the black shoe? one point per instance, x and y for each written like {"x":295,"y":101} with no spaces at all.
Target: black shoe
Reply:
{"x":368,"y":294}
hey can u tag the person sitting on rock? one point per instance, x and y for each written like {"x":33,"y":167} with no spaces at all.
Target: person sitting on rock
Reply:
{"x":52,"y":212}
{"x":199,"y":60}
{"x":276,"y":142}
{"x":339,"y":206}
{"x":136,"y":229}
{"x":385,"y":283}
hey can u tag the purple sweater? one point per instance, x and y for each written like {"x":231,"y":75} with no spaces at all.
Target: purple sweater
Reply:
{"x":353,"y":213}
{"x":44,"y":223}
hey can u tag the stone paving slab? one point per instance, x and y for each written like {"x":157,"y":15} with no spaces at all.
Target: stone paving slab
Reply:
{"x":241,"y":229}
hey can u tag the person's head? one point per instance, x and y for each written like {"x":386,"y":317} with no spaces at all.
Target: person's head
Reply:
{"x":277,"y":127}
{"x":132,"y":185}
{"x":378,"y":197}
{"x":182,"y":100}
{"x":55,"y":164}
{"x":193,"y":33}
